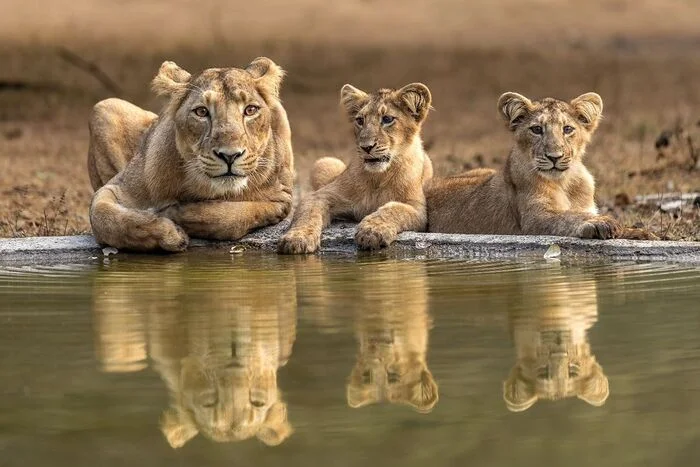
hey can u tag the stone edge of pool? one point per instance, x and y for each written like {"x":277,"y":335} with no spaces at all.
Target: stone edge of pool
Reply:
{"x":338,"y":239}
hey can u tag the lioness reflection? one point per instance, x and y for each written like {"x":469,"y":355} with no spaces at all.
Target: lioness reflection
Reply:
{"x":549,"y":330}
{"x":392,"y":334}
{"x":217,"y":346}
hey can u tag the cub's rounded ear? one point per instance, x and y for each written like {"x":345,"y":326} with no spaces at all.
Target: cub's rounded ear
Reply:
{"x":352,"y":99}
{"x":276,"y":428}
{"x":595,"y":389}
{"x":514,"y":107}
{"x":268,"y":76}
{"x":589,"y":109}
{"x":416,"y":98}
{"x":177,"y":427}
{"x":518,"y":394}
{"x":171,"y":79}
{"x":424,"y":395}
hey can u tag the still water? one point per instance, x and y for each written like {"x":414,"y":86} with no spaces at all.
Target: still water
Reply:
{"x":257,"y":360}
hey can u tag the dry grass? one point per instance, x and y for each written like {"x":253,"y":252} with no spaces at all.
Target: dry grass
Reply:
{"x":641,"y":59}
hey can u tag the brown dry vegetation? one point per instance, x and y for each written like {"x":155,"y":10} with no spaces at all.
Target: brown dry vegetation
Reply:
{"x":642,"y":56}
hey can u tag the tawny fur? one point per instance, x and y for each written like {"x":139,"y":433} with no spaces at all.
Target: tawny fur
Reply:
{"x":531,"y":194}
{"x":550,"y":333}
{"x":159,"y":180}
{"x":382,"y":187}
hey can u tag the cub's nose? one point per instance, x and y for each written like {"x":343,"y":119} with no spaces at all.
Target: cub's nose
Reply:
{"x":554,"y":156}
{"x":368,"y":148}
{"x":229,"y":156}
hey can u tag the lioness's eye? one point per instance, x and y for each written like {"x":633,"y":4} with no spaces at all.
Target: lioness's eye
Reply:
{"x":201,"y":111}
{"x":536,"y":129}
{"x":568,"y":130}
{"x":251,"y":110}
{"x":360,"y":121}
{"x":388,"y":120}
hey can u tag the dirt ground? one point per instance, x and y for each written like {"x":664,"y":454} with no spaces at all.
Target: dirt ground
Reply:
{"x":643,"y":57}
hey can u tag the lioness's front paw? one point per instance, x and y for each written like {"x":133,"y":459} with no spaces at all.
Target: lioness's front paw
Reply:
{"x":298,"y":242}
{"x":602,"y":227}
{"x":171,"y":236}
{"x":374,"y":236}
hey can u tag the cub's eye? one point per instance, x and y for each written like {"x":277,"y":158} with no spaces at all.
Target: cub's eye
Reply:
{"x":251,"y":110}
{"x":568,"y":130}
{"x":393,"y":377}
{"x":388,"y":120}
{"x":201,"y":111}
{"x":536,"y":129}
{"x":360,"y":121}
{"x":366,"y":377}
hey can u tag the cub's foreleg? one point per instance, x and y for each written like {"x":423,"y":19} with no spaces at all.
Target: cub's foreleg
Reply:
{"x":380,"y":229}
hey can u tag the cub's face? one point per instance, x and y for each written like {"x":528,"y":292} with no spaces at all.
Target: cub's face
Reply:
{"x":386,"y":122}
{"x":552,"y":134}
{"x":222,"y":118}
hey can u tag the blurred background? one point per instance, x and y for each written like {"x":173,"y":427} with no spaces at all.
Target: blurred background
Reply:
{"x":58,"y":58}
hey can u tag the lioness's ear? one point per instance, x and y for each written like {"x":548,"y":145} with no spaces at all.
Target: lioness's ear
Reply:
{"x":352,"y":99}
{"x":416,"y":98}
{"x":589,"y":109}
{"x":268,"y":75}
{"x":170,"y":79}
{"x":360,"y":396}
{"x":514,"y":108}
{"x":595,"y":389}
{"x":424,"y":395}
{"x":276,"y":428}
{"x":518,"y":393}
{"x":177,"y":428}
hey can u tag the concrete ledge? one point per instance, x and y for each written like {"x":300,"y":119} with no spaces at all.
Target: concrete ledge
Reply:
{"x":339,"y":239}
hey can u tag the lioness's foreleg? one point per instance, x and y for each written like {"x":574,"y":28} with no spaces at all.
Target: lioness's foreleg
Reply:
{"x":381,"y":228}
{"x":313,"y":215}
{"x":115,"y":224}
{"x":226,"y":220}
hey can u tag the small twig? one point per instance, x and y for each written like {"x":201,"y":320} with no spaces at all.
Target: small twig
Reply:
{"x":91,"y":68}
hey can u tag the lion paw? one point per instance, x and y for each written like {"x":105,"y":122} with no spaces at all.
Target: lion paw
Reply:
{"x":601,"y":227}
{"x":374,"y":237}
{"x":298,"y":242}
{"x":172,"y":237}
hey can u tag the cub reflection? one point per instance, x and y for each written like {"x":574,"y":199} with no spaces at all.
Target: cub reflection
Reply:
{"x":392,"y":332}
{"x":549,"y":329}
{"x":216,"y":338}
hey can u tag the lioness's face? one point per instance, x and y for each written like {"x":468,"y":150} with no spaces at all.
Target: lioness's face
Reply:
{"x":222,"y":119}
{"x":386,"y":122}
{"x":552,"y":133}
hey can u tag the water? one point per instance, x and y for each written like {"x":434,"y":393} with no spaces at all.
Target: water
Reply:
{"x":211,"y":359}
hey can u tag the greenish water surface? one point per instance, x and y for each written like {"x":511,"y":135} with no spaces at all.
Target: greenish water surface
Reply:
{"x":262,"y":360}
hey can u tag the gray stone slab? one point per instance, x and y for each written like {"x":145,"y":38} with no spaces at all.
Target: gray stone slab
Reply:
{"x":338,"y":239}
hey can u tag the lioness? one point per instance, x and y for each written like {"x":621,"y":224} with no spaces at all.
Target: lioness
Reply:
{"x":544,"y":187}
{"x":382,"y":188}
{"x":553,"y":356}
{"x":216,"y":163}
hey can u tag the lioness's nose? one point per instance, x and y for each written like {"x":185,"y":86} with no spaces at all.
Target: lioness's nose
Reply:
{"x":228,"y":157}
{"x":368,"y":147}
{"x":554,"y":156}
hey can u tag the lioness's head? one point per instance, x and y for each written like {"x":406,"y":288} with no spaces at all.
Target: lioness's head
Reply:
{"x":380,"y":374}
{"x":556,"y":372}
{"x":222,"y":119}
{"x":226,"y":404}
{"x":386,"y":122}
{"x":551,"y":133}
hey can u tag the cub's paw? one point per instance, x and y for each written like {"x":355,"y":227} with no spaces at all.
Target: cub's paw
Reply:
{"x":602,"y":227}
{"x":298,"y":242}
{"x":171,"y":237}
{"x":374,"y":236}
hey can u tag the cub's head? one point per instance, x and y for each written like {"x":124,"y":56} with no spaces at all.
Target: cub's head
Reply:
{"x":226,"y":404}
{"x":386,"y":122}
{"x":382,"y":375}
{"x":556,"y":373}
{"x":550,"y":133}
{"x":222,"y":119}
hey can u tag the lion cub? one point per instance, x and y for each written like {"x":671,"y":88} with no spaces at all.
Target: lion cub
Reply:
{"x":544,"y":187}
{"x":382,"y":187}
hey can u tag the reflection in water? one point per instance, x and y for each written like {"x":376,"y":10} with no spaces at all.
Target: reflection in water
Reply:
{"x":392,"y":322}
{"x":216,"y":339}
{"x":549,"y":330}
